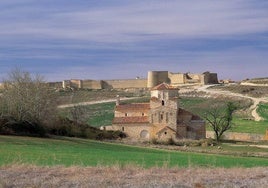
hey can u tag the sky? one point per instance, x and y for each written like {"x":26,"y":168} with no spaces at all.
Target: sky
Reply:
{"x":123,"y":39}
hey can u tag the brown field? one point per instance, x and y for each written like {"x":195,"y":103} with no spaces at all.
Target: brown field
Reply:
{"x":252,"y":91}
{"x":131,"y":176}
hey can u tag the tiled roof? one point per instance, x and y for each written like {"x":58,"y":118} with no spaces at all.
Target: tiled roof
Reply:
{"x":126,"y":120}
{"x":164,"y":86}
{"x":135,"y":107}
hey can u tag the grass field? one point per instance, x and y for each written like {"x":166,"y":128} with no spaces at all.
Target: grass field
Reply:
{"x":81,"y":152}
{"x":102,"y":114}
{"x":263,"y":111}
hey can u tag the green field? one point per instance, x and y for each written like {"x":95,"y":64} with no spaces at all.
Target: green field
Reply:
{"x":263,"y":111}
{"x":249,"y":126}
{"x":102,"y":114}
{"x":81,"y":152}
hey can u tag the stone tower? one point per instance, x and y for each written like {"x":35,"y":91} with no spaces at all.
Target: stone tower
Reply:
{"x":164,"y":106}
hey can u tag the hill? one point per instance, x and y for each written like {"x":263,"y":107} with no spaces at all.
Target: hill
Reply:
{"x":257,"y":81}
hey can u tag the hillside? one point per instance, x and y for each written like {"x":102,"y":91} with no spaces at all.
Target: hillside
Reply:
{"x":258,"y":81}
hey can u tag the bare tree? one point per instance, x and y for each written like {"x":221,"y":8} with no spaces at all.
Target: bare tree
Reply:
{"x":220,"y":119}
{"x":77,"y":113}
{"x":27,"y":98}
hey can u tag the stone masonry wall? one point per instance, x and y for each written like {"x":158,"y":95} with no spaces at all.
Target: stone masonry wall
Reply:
{"x":119,"y":84}
{"x":134,"y":130}
{"x":92,"y":84}
{"x":238,"y":136}
{"x":176,"y":78}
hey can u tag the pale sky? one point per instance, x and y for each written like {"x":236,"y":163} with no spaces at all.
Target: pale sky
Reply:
{"x":119,"y":39}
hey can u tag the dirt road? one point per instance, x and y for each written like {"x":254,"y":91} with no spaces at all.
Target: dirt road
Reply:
{"x":95,"y":102}
{"x":253,"y":108}
{"x":204,"y":88}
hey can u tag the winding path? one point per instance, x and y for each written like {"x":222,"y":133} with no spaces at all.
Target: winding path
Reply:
{"x":204,"y":88}
{"x":253,"y":107}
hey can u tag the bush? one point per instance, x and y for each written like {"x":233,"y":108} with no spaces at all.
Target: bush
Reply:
{"x":9,"y":126}
{"x":67,"y":127}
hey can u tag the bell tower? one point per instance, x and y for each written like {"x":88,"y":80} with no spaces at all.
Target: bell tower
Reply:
{"x":164,"y":106}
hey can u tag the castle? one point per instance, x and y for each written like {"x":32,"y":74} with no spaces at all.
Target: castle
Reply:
{"x":174,"y":79}
{"x":160,"y":119}
{"x":154,"y":78}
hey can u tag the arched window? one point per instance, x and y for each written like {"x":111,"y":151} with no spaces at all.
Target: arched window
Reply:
{"x":163,"y":102}
{"x":144,"y":134}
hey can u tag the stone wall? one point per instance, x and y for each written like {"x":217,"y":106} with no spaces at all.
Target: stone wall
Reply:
{"x":121,"y":84}
{"x":105,"y":84}
{"x":154,"y":78}
{"x":157,"y":77}
{"x":238,"y":136}
{"x":92,"y":84}
{"x":134,"y":131}
{"x":176,"y":78}
{"x":196,"y":129}
{"x":55,"y":84}
{"x":210,"y":78}
{"x":74,"y":83}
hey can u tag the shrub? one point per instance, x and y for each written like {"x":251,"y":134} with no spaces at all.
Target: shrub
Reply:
{"x":9,"y":126}
{"x":67,"y":127}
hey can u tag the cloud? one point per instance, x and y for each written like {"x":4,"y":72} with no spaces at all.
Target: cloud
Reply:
{"x":134,"y":22}
{"x":99,"y":39}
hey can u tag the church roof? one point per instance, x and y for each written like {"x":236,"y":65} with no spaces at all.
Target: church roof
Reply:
{"x":134,"y":120}
{"x":164,"y":86}
{"x":135,"y":107}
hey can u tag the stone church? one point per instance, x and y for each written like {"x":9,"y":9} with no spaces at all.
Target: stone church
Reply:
{"x":161,"y":119}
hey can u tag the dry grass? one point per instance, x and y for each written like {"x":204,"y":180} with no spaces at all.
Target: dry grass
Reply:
{"x":252,"y":91}
{"x":130,"y":176}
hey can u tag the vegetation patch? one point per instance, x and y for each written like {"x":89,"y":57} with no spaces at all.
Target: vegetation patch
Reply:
{"x":102,"y":114}
{"x":73,"y":151}
{"x":252,"y":91}
{"x":131,"y":176}
{"x":87,"y":95}
{"x":249,"y":126}
{"x":262,"y":110}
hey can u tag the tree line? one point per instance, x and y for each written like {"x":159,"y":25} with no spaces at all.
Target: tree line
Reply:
{"x":28,"y":106}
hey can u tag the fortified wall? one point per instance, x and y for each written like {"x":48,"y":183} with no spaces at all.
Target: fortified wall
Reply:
{"x":105,"y":84}
{"x":154,"y":78}
{"x":157,"y":77}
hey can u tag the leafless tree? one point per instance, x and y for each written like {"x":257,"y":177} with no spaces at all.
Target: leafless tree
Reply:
{"x":77,"y":113}
{"x":27,"y":98}
{"x":220,"y":118}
